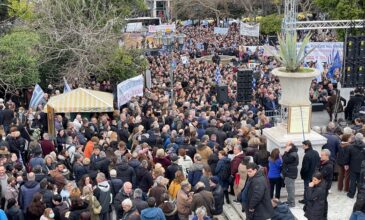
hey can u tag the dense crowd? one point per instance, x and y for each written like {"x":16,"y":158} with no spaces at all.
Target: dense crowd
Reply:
{"x":161,"y":159}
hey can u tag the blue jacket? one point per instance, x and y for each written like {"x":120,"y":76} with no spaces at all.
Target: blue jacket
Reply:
{"x":275,"y":168}
{"x":282,"y":212}
{"x":152,"y":214}
{"x":2,"y":215}
{"x":26,"y":193}
{"x":223,"y":171}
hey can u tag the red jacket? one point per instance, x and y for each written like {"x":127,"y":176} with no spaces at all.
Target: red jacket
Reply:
{"x":47,"y":147}
{"x":236,"y":162}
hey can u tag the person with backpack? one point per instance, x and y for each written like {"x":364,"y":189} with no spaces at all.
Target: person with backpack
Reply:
{"x":223,"y":171}
{"x":103,"y":194}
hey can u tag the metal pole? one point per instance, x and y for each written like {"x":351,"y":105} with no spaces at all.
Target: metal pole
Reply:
{"x":171,"y":77}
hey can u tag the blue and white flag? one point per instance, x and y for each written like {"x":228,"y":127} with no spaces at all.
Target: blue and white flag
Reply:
{"x":337,"y":64}
{"x":66,"y":87}
{"x":37,"y":97}
{"x":218,"y":75}
{"x":319,"y":67}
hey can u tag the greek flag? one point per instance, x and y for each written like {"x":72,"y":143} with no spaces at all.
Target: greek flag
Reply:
{"x":36,"y":97}
{"x":337,"y":64}
{"x":218,"y":75}
{"x":319,"y":67}
{"x":66,"y":87}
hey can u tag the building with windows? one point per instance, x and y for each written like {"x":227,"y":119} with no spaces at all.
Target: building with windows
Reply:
{"x":160,"y":8}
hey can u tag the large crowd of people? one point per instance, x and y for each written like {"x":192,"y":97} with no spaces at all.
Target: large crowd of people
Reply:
{"x":157,"y":158}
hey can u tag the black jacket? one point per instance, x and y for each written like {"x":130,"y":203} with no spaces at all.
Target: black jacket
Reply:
{"x":258,"y":197}
{"x":144,"y":179}
{"x":316,"y":199}
{"x":126,"y":173}
{"x":218,"y":200}
{"x":140,"y":204}
{"x":342,"y":154}
{"x":76,"y":211}
{"x":121,"y":195}
{"x":115,"y":185}
{"x":310,"y":163}
{"x":355,"y":155}
{"x":79,"y":171}
{"x":102,"y":165}
{"x":326,"y":168}
{"x":290,"y":163}
{"x":171,"y":170}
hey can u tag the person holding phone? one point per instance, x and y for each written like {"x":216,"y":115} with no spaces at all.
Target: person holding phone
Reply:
{"x":316,"y":196}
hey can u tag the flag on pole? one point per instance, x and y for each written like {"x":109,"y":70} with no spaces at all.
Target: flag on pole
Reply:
{"x":37,"y":97}
{"x":337,"y":64}
{"x":218,"y":75}
{"x":319,"y":67}
{"x":66,"y":87}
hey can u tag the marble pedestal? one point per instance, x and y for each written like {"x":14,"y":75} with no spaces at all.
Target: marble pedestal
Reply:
{"x":277,"y":137}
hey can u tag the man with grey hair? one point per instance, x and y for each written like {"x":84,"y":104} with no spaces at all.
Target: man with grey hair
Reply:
{"x":115,"y":183}
{"x":326,"y":168}
{"x":333,"y":141}
{"x":71,"y":148}
{"x":204,"y":198}
{"x":27,"y":190}
{"x":356,"y":154}
{"x":138,"y":201}
{"x":103,"y":194}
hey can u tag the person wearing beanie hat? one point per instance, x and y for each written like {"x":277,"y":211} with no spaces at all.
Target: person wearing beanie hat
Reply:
{"x":218,"y":195}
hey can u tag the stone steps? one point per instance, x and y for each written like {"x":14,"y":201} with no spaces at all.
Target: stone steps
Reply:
{"x":233,"y":211}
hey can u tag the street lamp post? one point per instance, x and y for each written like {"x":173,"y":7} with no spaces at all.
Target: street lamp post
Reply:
{"x":168,"y":42}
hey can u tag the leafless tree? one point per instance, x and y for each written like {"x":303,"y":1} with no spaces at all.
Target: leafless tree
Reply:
{"x":80,"y":34}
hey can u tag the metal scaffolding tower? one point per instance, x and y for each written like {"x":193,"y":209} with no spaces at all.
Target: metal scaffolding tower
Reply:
{"x":332,"y":24}
{"x":290,"y":16}
{"x":290,"y":22}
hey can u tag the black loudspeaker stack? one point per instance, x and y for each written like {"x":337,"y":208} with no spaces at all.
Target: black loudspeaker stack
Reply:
{"x":244,"y":85}
{"x":222,"y":94}
{"x":355,"y":62}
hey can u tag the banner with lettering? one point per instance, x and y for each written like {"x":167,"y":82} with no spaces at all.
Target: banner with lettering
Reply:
{"x":324,"y":52}
{"x":222,"y":31}
{"x":161,"y":28}
{"x":129,"y":88}
{"x":250,"y":30}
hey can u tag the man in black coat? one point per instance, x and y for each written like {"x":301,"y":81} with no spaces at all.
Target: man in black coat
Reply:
{"x":310,"y":163}
{"x":218,"y":195}
{"x":79,"y":169}
{"x":144,"y":179}
{"x":290,"y":171}
{"x":333,"y":141}
{"x":125,"y":172}
{"x":258,"y":195}
{"x":115,"y":183}
{"x":355,"y":155}
{"x":326,"y":169}
{"x":125,"y":193}
{"x":7,"y":118}
{"x":171,"y":170}
{"x":355,"y":101}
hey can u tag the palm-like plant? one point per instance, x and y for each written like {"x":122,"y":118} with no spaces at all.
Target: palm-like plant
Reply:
{"x":288,"y":54}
